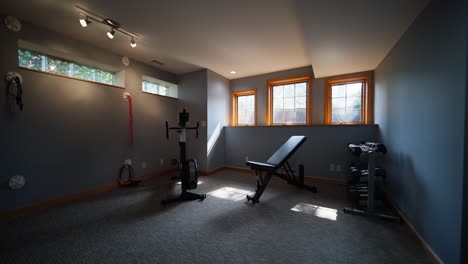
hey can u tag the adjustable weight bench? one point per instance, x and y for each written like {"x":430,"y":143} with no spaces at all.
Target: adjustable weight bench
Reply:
{"x":279,"y":160}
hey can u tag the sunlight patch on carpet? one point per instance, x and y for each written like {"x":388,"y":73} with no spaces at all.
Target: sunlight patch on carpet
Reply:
{"x":230,"y":193}
{"x":315,"y":210}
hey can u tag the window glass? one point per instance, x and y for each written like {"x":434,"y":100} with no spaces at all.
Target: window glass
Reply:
{"x":244,"y":107}
{"x":346,"y":103}
{"x":29,"y":59}
{"x":246,"y":110}
{"x":159,"y":87}
{"x":46,"y":63}
{"x":154,"y":88}
{"x":290,"y":103}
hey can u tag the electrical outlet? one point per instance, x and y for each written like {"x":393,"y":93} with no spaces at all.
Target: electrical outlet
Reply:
{"x":161,"y":161}
{"x":338,"y":167}
{"x":332,"y":167}
{"x":143,"y":165}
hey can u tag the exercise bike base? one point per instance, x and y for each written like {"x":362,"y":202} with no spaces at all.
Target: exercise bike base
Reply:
{"x":252,"y":200}
{"x":185,"y":196}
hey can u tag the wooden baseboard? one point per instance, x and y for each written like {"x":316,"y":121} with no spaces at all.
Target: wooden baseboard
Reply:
{"x":73,"y":197}
{"x":211,"y":172}
{"x":156,"y":174}
{"x":240,"y":169}
{"x":414,"y":233}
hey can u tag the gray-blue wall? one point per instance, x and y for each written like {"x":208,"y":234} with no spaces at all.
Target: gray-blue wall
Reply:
{"x":420,"y":109}
{"x":193,"y":97}
{"x":325,"y":145}
{"x":464,"y":242}
{"x":219,"y":102}
{"x":73,"y":135}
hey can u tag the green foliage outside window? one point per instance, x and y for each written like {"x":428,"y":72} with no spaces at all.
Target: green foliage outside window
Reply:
{"x":58,"y":66}
{"x":41,"y":62}
{"x":30,"y":59}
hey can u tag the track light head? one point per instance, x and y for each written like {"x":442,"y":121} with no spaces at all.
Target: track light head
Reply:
{"x":86,"y":17}
{"x":84,"y":22}
{"x":111,"y":33}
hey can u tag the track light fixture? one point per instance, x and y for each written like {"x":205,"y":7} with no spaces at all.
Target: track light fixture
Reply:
{"x":111,"y":33}
{"x":87,"y":17}
{"x":85,"y":21}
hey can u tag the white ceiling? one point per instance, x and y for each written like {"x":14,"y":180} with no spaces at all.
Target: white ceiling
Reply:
{"x":249,"y":36}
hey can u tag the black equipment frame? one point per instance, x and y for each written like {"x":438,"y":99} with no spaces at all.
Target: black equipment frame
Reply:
{"x":279,"y":161}
{"x":185,"y":172}
{"x":370,"y":151}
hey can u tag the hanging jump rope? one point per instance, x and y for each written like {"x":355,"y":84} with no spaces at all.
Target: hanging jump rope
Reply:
{"x":128,"y":98}
{"x":129,"y":181}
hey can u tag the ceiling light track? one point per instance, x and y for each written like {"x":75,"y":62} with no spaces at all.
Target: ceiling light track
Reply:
{"x":88,"y":17}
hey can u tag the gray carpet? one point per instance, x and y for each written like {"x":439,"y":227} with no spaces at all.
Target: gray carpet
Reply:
{"x":130,"y":226}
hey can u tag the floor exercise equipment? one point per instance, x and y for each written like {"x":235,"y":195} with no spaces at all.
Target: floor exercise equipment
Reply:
{"x":278,"y":165}
{"x":188,"y":168}
{"x":364,"y":185}
{"x":129,"y":180}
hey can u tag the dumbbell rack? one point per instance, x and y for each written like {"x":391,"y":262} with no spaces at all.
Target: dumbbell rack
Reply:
{"x":371,"y":154}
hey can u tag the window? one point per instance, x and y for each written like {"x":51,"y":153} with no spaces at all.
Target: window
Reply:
{"x":289,"y":101}
{"x":348,"y":100}
{"x":244,"y":108}
{"x":155,"y":86}
{"x":46,"y":63}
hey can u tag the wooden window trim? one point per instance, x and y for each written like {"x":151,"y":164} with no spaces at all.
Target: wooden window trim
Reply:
{"x":235,"y":96}
{"x":285,"y":81}
{"x":70,"y":77}
{"x":165,"y":96}
{"x":367,"y":98}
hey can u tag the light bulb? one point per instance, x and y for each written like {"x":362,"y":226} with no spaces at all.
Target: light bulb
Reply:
{"x":83,"y":22}
{"x":110,"y":34}
{"x":133,"y":43}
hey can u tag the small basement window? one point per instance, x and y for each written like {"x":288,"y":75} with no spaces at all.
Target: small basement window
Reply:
{"x":348,"y":100}
{"x":46,"y":63}
{"x":288,"y":101}
{"x":244,"y":105}
{"x":159,"y":87}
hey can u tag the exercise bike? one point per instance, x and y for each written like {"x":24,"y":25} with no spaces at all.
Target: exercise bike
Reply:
{"x":189,"y":181}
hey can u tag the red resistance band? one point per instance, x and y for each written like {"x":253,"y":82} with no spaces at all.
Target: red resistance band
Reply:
{"x":130,"y":120}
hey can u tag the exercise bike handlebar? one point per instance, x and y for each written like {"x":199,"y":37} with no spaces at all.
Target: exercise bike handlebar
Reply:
{"x":180,"y":128}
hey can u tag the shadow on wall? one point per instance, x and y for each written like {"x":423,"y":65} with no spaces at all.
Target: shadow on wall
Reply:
{"x":4,"y":185}
{"x":408,"y":188}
